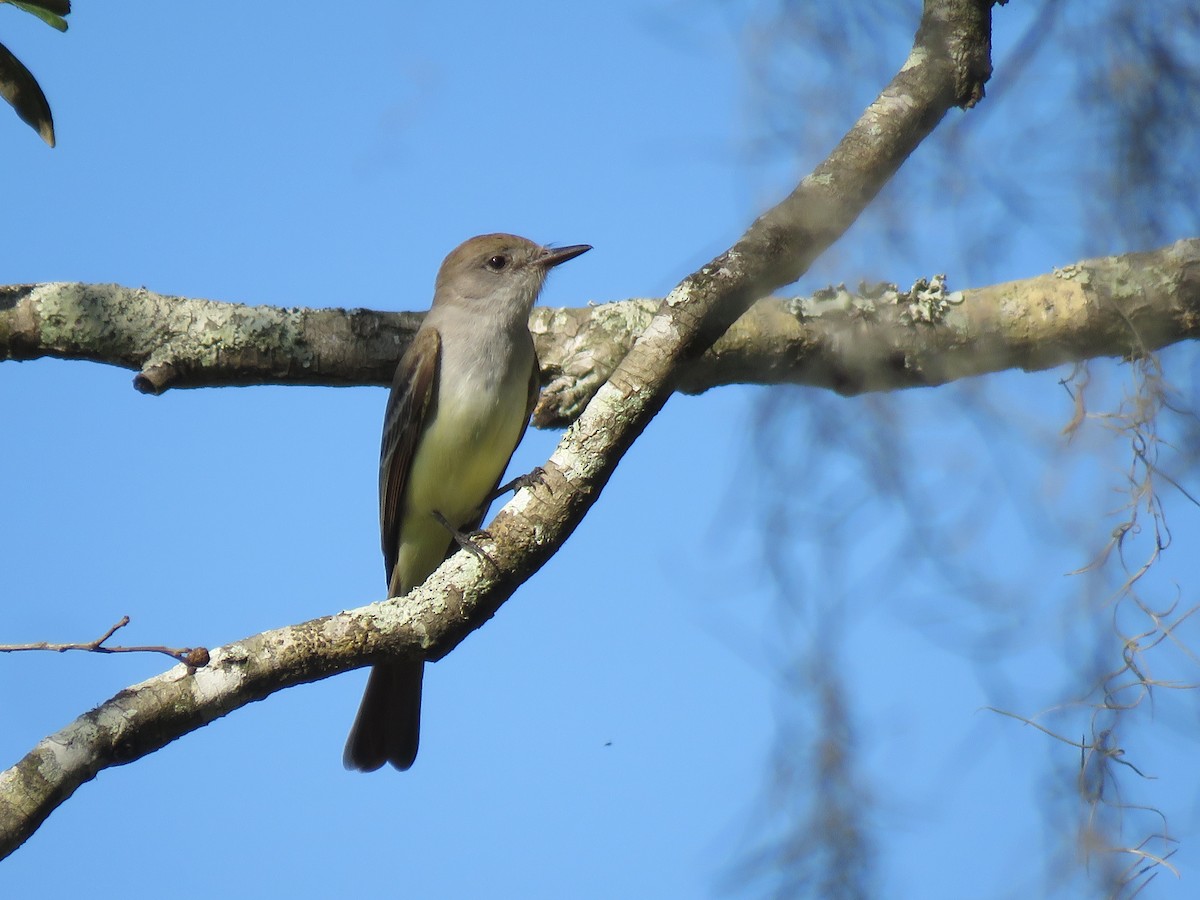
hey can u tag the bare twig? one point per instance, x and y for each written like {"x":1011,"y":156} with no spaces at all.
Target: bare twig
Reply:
{"x":191,"y":656}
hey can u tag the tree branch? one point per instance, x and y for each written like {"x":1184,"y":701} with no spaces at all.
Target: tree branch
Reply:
{"x":883,"y":339}
{"x":848,"y":342}
{"x":947,"y":66}
{"x":192,"y":656}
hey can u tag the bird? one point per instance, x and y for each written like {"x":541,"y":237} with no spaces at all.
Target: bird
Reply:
{"x":460,"y":402}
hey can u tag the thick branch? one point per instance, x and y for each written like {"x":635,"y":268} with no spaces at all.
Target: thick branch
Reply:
{"x":947,"y":66}
{"x":1112,"y":306}
{"x":181,"y":342}
{"x":147,"y":716}
{"x":889,"y":339}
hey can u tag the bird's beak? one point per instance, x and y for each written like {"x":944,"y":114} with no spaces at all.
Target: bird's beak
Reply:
{"x":552,"y":256}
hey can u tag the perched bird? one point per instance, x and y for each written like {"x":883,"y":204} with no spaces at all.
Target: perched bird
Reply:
{"x":460,"y":402}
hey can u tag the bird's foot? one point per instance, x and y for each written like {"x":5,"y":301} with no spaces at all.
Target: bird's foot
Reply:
{"x":521,"y":481}
{"x":467,"y":539}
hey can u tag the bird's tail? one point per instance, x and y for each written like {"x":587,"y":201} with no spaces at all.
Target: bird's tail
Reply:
{"x":388,"y":724}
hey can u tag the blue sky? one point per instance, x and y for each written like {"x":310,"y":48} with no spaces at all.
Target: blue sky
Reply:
{"x":611,"y":731}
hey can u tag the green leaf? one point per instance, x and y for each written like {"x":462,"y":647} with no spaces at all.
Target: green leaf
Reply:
{"x":49,"y":11}
{"x":62,"y":7}
{"x":20,"y":88}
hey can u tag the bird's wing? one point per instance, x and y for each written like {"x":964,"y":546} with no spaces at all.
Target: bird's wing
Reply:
{"x":404,"y":420}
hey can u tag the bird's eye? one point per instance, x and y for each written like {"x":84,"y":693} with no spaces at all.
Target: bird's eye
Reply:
{"x":497,"y":262}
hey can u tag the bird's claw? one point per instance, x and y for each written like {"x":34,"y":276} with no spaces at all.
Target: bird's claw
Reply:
{"x":466,"y":540}
{"x":521,"y":481}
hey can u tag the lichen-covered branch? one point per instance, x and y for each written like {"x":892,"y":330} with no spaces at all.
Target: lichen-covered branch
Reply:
{"x":185,"y":342}
{"x":147,"y":716}
{"x":881,"y":338}
{"x":946,"y":67}
{"x":851,"y":342}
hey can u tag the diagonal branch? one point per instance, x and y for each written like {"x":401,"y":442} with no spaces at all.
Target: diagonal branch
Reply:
{"x":947,"y":66}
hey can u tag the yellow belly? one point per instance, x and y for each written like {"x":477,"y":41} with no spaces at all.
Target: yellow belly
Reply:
{"x":458,"y":462}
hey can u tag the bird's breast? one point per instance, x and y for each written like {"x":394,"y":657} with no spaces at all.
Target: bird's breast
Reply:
{"x":478,"y":417}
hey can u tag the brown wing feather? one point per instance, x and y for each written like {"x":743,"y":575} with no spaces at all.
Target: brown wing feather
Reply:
{"x":408,"y":404}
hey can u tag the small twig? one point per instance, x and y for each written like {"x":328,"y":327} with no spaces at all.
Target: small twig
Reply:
{"x":192,"y":656}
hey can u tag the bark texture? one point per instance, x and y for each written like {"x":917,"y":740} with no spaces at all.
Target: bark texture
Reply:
{"x":875,"y":338}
